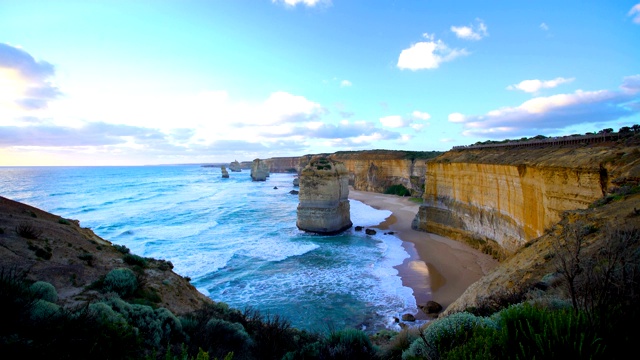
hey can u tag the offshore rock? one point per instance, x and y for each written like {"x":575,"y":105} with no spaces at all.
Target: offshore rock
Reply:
{"x":235,"y":166}
{"x":259,"y":170}
{"x":296,"y":182}
{"x":225,"y":173}
{"x":324,"y":203}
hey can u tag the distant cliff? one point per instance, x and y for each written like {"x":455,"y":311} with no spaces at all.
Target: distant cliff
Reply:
{"x":499,"y":199}
{"x":371,"y":170}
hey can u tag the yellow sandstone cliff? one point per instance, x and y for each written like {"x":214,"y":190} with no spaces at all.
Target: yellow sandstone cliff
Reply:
{"x":499,"y":199}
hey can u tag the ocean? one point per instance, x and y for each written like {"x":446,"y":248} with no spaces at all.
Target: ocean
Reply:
{"x":236,"y":239}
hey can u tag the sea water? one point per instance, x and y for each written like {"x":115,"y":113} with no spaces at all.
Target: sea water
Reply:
{"x":236,"y":239}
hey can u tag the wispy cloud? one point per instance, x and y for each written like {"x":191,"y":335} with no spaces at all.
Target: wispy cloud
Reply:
{"x":547,"y":114}
{"x":345,"y":83}
{"x":471,"y":32}
{"x":24,"y":81}
{"x":427,"y":54}
{"x":544,"y":27}
{"x":635,"y":13}
{"x":533,"y":86}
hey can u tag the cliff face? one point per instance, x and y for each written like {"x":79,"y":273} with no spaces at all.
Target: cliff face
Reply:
{"x":377,"y":171}
{"x":510,"y":196}
{"x":324,"y":197}
{"x":284,"y":164}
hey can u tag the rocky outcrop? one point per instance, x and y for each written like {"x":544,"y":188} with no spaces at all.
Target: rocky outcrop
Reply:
{"x":324,"y":197}
{"x":259,"y":170}
{"x":507,"y":197}
{"x":46,"y":247}
{"x":235,"y":166}
{"x":225,"y":173}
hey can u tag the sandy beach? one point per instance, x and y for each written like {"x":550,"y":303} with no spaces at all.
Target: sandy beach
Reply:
{"x":438,"y":268}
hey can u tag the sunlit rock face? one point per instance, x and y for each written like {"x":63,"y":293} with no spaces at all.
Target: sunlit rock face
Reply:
{"x":235,"y":166}
{"x":225,"y":173}
{"x":513,"y":195}
{"x":324,"y":197}
{"x":259,"y":170}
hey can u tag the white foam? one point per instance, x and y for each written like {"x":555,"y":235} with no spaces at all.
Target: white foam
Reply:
{"x":365,"y":215}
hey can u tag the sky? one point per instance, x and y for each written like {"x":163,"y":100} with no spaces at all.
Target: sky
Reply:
{"x":143,"y":82}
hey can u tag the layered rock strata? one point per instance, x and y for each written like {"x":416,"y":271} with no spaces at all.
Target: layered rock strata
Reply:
{"x":225,"y":173}
{"x":324,"y":197}
{"x":259,"y":170}
{"x":510,"y":196}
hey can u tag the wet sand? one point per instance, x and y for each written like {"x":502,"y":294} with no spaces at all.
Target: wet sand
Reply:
{"x":438,"y":268}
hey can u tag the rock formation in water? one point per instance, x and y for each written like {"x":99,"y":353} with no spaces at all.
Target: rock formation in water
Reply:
{"x":324,"y":191}
{"x":259,"y":170}
{"x":296,"y":182}
{"x":235,"y":166}
{"x":225,"y":173}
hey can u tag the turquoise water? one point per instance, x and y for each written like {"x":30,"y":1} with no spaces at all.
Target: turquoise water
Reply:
{"x":236,"y":239}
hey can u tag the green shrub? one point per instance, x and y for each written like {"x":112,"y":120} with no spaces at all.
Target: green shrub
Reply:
{"x":64,"y":221}
{"x":43,"y":310}
{"x":45,"y":291}
{"x":121,"y":248}
{"x":88,"y":257}
{"x":132,"y":259}
{"x":444,"y":334}
{"x":122,"y":281}
{"x":398,"y":189}
{"x":225,"y":337}
{"x":350,"y":344}
{"x":527,"y":332}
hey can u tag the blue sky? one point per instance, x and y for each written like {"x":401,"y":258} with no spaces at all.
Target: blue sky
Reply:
{"x":157,"y":82}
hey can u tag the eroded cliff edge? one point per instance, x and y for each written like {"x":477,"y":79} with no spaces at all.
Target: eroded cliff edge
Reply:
{"x":499,"y":199}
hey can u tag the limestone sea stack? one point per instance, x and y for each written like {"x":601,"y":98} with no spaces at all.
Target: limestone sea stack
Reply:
{"x":324,"y":197}
{"x":259,"y":170}
{"x":235,"y":166}
{"x":225,"y":173}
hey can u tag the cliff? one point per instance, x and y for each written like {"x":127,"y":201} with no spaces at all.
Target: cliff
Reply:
{"x":46,"y":247}
{"x":284,"y":164}
{"x":324,"y":197}
{"x":499,"y":199}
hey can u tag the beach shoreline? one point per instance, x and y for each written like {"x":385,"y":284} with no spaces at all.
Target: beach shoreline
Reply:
{"x":438,"y":268}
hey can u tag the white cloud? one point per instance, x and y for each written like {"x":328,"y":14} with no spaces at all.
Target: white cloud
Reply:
{"x":345,"y":83}
{"x":471,"y":32}
{"x":394,"y":121}
{"x":456,"y":117}
{"x":544,"y":26}
{"x":635,"y":13}
{"x":421,"y":115}
{"x":545,"y":114}
{"x":533,"y":86}
{"x":309,"y":3}
{"x":427,"y":54}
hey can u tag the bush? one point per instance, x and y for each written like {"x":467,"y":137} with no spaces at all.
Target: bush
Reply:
{"x":28,"y":231}
{"x":349,"y":344}
{"x":43,"y":310}
{"x":121,"y":248}
{"x":398,"y":189}
{"x":444,"y":334}
{"x":122,"y":281}
{"x":45,"y":291}
{"x":224,"y":337}
{"x":135,"y":260}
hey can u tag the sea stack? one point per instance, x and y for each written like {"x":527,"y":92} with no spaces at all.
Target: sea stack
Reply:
{"x":259,"y":170}
{"x":225,"y":173}
{"x":324,"y":197}
{"x":235,"y":166}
